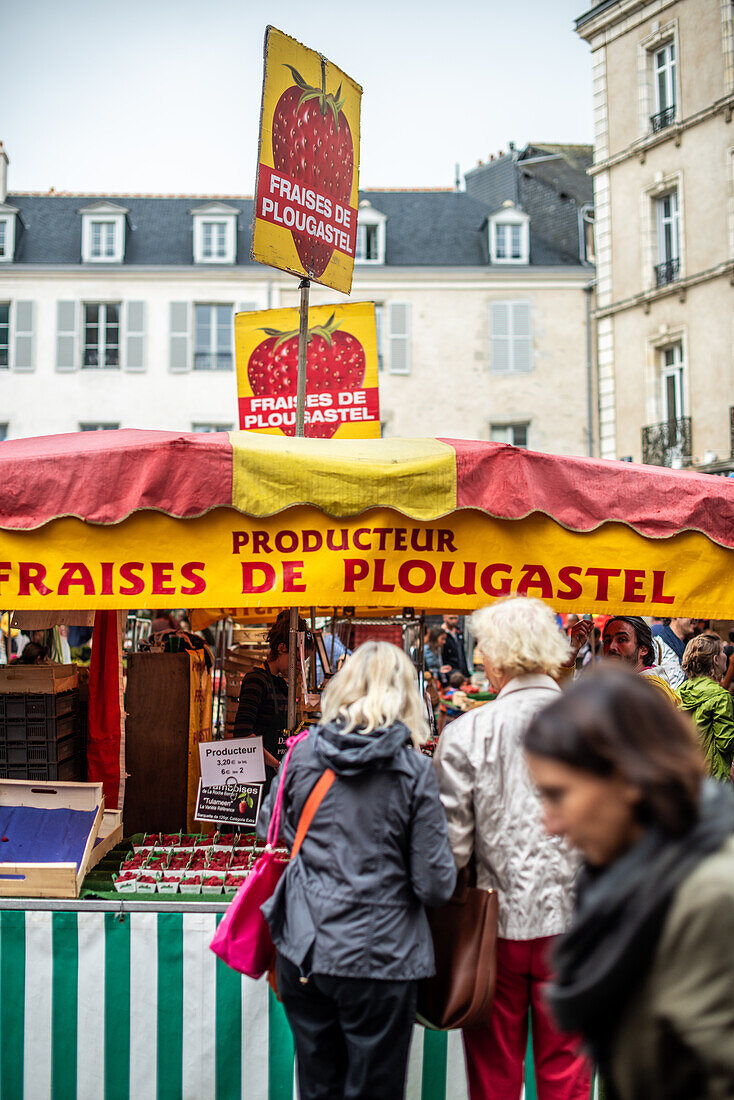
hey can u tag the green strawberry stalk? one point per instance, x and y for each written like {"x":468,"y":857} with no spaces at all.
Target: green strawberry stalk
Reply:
{"x":325,"y":331}
{"x":327,"y":100}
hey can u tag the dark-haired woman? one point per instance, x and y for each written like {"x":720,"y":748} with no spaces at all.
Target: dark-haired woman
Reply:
{"x":262,"y":710}
{"x":646,"y":971}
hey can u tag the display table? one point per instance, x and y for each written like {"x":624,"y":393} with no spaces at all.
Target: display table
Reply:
{"x":104,"y":1000}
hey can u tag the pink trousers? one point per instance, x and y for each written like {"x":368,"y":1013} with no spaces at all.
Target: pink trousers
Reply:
{"x":495,"y":1055}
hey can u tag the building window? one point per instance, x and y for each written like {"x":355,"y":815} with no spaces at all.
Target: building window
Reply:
{"x":511,"y":337}
{"x":7,"y":232}
{"x":3,"y":238}
{"x":664,"y":80}
{"x":103,"y":233}
{"x":667,"y":268}
{"x":207,"y":428}
{"x":214,"y":241}
{"x":101,"y":335}
{"x":4,"y":334}
{"x":370,"y":244}
{"x":3,"y":432}
{"x":514,"y":434}
{"x":102,"y":245}
{"x":671,"y":382}
{"x":366,"y":243}
{"x":98,"y":426}
{"x":507,"y":244}
{"x":215,"y":233}
{"x":212,"y":337}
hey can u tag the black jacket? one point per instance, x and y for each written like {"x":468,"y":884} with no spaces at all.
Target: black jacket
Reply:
{"x":453,"y":653}
{"x":351,"y":903}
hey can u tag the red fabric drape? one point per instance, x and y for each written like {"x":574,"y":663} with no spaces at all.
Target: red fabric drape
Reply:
{"x":104,"y":721}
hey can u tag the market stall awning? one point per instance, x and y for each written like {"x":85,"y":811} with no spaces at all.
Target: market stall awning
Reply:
{"x":104,"y":477}
{"x":149,"y":519}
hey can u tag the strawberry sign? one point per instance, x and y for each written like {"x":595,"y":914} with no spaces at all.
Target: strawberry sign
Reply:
{"x":342,"y":398}
{"x":306,"y":194}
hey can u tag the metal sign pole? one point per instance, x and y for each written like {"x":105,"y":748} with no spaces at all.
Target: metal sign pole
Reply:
{"x":305,"y":286}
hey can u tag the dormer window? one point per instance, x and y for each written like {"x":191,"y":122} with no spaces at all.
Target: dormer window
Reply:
{"x":509,"y":236}
{"x":8,"y":215}
{"x":103,"y":233}
{"x":370,"y":247}
{"x":215,"y":233}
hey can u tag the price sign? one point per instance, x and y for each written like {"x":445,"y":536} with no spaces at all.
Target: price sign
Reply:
{"x":230,"y":803}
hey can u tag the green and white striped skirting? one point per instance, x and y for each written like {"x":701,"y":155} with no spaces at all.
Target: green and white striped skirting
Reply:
{"x":111,"y":1006}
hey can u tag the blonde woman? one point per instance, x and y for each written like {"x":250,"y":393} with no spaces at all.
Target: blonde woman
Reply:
{"x":348,"y":916}
{"x":495,"y":818}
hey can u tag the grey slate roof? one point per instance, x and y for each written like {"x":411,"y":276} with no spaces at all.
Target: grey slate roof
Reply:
{"x":424,"y":228}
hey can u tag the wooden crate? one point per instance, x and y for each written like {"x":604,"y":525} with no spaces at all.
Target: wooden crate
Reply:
{"x":38,"y":679}
{"x":110,"y":834}
{"x":50,"y":880}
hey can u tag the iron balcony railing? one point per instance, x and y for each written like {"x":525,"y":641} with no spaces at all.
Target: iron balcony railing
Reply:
{"x":667,"y":272}
{"x":662,"y":119}
{"x":667,"y":444}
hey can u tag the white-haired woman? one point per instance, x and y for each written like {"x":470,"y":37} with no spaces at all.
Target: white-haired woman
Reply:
{"x":348,"y":916}
{"x":494,"y":817}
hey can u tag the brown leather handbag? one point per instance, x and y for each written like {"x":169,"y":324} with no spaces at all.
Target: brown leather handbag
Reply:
{"x":464,"y":932}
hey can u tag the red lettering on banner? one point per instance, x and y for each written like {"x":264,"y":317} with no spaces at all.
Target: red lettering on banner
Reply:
{"x":633,"y":582}
{"x":32,"y":573}
{"x":261,"y":542}
{"x":281,"y":201}
{"x":239,"y":539}
{"x":568,"y":575}
{"x":427,"y":540}
{"x":292,"y":572}
{"x":379,"y":583}
{"x":68,"y":578}
{"x":401,"y":536}
{"x":445,"y":541}
{"x":408,"y":585}
{"x":487,"y":580}
{"x":286,"y":542}
{"x":360,"y":406}
{"x":344,"y":542}
{"x":467,"y":588}
{"x":190,"y":572}
{"x":355,"y":569}
{"x":535,"y":576}
{"x":4,"y":571}
{"x":356,"y":539}
{"x":249,"y":585}
{"x":602,"y":583}
{"x":107,"y":588}
{"x":658,"y":582}
{"x":162,"y":571}
{"x":312,"y":540}
{"x":129,"y":572}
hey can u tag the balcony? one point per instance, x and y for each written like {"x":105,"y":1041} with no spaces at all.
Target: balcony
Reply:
{"x":662,"y":119}
{"x":667,"y":444}
{"x":667,"y":272}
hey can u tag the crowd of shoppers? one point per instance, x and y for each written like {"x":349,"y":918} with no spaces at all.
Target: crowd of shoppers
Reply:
{"x":585,"y":797}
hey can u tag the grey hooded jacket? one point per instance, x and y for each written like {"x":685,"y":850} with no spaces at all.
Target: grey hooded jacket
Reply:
{"x":351,"y":903}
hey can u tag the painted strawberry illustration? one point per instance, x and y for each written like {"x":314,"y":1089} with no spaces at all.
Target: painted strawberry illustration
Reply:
{"x":312,"y":144}
{"x":334,"y":361}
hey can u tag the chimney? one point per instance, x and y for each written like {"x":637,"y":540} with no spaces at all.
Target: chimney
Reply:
{"x":457,"y":178}
{"x":4,"y":162}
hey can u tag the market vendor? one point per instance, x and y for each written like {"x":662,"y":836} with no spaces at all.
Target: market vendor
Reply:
{"x":262,"y":710}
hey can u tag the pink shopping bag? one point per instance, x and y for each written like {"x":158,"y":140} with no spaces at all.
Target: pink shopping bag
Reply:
{"x":242,"y":939}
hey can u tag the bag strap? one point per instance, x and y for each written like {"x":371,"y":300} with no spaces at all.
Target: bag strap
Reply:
{"x":274,"y":827}
{"x":313,"y":802}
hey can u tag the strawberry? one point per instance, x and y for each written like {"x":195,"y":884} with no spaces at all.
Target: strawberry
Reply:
{"x":334,"y":361}
{"x":312,"y":144}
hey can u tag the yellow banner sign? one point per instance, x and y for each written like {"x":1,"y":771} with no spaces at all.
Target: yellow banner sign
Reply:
{"x":342,"y":398}
{"x":378,"y":559}
{"x":306,"y":195}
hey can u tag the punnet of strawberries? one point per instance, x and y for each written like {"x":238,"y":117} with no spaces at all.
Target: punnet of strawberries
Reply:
{"x":211,"y":880}
{"x":148,"y":879}
{"x":191,"y":880}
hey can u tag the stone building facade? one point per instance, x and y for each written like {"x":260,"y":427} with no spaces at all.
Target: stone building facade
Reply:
{"x":663,"y":79}
{"x":116,"y":311}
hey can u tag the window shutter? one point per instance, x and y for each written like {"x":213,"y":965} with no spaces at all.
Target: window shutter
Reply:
{"x":499,"y":329}
{"x":399,"y":337}
{"x":247,"y":307}
{"x":66,"y":336}
{"x":135,"y":336}
{"x":522,"y":340}
{"x":24,"y":349}
{"x":179,"y":349}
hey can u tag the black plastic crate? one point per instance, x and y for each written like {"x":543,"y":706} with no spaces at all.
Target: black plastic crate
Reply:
{"x":37,"y":708}
{"x":41,"y":753}
{"x":39,"y":730}
{"x":72,"y":770}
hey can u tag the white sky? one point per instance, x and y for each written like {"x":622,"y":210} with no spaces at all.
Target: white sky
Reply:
{"x":164,"y":95}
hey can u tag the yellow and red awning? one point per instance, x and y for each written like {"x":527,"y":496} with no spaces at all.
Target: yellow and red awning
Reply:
{"x":145,"y":518}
